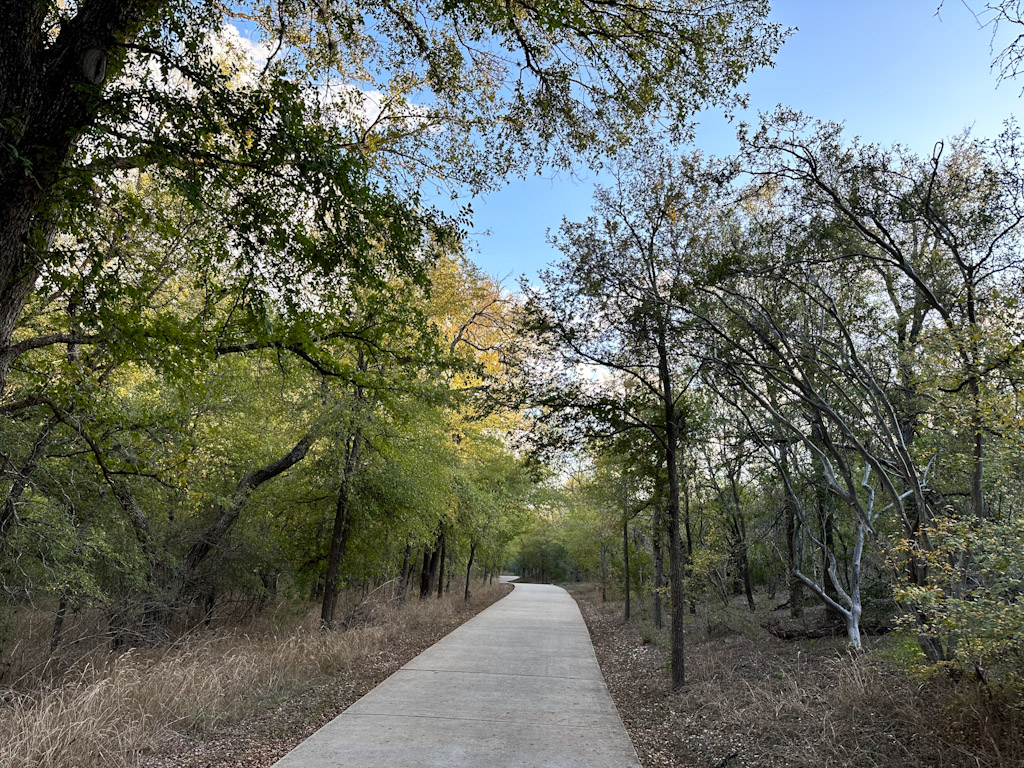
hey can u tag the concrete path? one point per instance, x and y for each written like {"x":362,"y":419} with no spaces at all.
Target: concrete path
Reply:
{"x":517,"y":686}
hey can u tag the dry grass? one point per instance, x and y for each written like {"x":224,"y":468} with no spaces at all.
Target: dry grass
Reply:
{"x":108,"y":711}
{"x":754,"y":700}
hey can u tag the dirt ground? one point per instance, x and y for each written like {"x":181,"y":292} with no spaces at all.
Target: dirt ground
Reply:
{"x":754,"y":700}
{"x":259,"y":741}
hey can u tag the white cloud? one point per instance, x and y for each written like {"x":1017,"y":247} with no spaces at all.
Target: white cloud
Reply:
{"x":242,"y":54}
{"x":230,"y":39}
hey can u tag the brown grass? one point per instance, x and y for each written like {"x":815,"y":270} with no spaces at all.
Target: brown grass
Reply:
{"x":754,"y":700}
{"x":109,"y":709}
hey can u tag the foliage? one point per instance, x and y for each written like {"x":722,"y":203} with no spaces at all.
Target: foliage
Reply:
{"x":975,"y":593}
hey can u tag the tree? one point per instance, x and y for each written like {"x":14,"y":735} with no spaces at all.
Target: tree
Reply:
{"x":176,"y":196}
{"x":95,"y":90}
{"x":727,"y":458}
{"x":945,"y":227}
{"x":610,"y":320}
{"x":162,"y":445}
{"x":1009,"y":60}
{"x":866,"y":294}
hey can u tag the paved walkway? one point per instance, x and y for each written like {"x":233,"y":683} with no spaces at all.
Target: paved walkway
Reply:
{"x":517,"y":686}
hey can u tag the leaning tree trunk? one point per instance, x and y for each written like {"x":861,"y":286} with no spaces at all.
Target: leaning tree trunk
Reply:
{"x":22,"y":478}
{"x":441,"y":563}
{"x":229,"y":514}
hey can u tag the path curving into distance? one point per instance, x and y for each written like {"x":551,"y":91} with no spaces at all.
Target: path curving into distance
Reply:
{"x":516,"y":686}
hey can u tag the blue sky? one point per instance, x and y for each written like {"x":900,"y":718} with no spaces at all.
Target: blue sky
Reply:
{"x":891,"y":70}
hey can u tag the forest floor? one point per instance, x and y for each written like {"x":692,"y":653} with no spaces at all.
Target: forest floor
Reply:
{"x":754,"y":700}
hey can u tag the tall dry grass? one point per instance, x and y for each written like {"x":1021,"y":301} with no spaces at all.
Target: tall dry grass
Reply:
{"x":810,"y":703}
{"x":816,"y":703}
{"x":106,"y":711}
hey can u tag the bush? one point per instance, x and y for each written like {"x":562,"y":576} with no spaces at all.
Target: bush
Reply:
{"x":975,"y":595}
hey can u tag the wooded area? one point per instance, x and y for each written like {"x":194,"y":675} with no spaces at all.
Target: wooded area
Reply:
{"x":246,"y":359}
{"x":831,"y":355}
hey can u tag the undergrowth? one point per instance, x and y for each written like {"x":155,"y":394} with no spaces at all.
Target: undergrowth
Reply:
{"x":753,"y":699}
{"x":109,"y":708}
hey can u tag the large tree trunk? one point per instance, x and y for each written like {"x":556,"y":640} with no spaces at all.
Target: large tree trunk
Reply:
{"x":432,"y":564}
{"x":50,"y":91}
{"x":675,"y":568}
{"x":340,"y":532}
{"x":675,"y":554}
{"x":15,"y":289}
{"x":425,"y":574}
{"x":343,"y":508}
